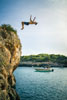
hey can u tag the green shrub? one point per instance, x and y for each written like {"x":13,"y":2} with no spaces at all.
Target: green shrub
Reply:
{"x":8,"y":28}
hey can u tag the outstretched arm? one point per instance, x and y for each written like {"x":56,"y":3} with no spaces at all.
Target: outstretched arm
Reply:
{"x":22,"y":25}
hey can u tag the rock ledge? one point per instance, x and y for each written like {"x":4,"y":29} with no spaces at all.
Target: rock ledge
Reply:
{"x":10,"y":52}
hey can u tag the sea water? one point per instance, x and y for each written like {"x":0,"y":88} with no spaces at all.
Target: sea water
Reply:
{"x":32,"y":85}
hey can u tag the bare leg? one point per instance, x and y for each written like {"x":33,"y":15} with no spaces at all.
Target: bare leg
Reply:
{"x":22,"y":25}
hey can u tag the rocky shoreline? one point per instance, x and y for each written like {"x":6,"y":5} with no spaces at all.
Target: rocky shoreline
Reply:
{"x":10,"y":52}
{"x":39,"y":60}
{"x":39,"y":64}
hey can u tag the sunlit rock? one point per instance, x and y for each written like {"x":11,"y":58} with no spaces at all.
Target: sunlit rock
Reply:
{"x":10,"y":52}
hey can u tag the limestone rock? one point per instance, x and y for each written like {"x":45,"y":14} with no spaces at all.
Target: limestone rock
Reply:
{"x":10,"y":52}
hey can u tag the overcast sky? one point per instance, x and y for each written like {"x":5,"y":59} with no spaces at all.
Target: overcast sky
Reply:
{"x":49,"y":36}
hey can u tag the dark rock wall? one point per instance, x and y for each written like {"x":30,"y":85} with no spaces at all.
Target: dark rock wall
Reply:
{"x":10,"y":52}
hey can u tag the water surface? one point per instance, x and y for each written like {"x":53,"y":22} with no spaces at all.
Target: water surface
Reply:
{"x":32,"y":85}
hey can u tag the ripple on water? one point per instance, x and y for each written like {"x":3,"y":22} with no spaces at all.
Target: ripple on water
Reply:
{"x":32,"y":85}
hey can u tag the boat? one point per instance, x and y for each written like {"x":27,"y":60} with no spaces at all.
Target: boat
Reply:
{"x":44,"y":70}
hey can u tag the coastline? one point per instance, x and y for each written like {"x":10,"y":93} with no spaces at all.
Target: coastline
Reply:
{"x":42,"y":60}
{"x":39,"y":64}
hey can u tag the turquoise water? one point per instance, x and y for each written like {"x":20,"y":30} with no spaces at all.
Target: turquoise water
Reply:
{"x":32,"y":85}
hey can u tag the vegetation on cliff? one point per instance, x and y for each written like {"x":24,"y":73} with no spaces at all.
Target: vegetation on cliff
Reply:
{"x":8,"y":28}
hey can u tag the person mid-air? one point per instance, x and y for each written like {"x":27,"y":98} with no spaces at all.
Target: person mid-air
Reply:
{"x":30,"y":22}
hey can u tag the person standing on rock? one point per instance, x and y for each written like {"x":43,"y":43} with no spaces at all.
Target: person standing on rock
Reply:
{"x":30,"y":22}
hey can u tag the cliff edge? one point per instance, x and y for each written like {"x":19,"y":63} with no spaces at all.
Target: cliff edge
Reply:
{"x":10,"y":52}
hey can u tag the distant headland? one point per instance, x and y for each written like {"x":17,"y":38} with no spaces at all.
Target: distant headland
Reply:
{"x":43,"y":60}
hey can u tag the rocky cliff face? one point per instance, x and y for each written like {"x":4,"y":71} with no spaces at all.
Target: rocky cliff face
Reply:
{"x":10,"y":51}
